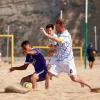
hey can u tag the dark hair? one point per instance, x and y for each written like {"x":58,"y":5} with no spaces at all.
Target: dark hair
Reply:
{"x":50,"y":26}
{"x":25,"y":43}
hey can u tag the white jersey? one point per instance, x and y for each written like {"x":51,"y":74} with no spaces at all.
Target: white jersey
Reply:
{"x":51,"y":42}
{"x":64,"y":49}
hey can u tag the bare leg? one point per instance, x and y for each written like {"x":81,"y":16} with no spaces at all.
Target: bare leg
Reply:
{"x":30,"y":78}
{"x":91,"y":65}
{"x":25,"y":79}
{"x":51,"y":75}
{"x":47,"y":81}
{"x":34,"y":79}
{"x":77,"y":79}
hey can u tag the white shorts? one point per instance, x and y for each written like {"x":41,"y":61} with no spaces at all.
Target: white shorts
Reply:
{"x":66,"y":66}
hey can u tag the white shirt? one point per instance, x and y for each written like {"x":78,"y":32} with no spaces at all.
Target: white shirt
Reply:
{"x":64,"y":49}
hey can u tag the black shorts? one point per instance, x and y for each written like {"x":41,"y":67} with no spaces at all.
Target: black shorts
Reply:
{"x":91,"y":59}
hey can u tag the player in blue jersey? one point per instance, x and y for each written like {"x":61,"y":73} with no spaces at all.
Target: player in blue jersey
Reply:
{"x":36,"y":58}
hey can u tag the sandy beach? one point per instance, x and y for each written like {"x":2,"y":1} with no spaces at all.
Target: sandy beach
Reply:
{"x":61,"y":88}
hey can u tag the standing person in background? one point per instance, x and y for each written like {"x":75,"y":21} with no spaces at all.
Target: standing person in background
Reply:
{"x":63,"y":60}
{"x":91,"y":53}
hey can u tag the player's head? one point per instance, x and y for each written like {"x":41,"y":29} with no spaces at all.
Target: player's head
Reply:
{"x":26,"y":46}
{"x":60,"y":25}
{"x":50,"y":28}
{"x":90,"y":44}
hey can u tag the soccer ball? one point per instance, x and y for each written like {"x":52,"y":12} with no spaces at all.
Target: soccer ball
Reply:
{"x":27,"y":85}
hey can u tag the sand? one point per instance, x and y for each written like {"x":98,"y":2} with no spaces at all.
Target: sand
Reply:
{"x":61,"y":88}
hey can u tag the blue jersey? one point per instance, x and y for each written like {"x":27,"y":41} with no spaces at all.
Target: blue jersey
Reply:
{"x":38,"y":61}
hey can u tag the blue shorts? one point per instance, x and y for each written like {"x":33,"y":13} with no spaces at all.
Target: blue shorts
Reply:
{"x":42,"y":76}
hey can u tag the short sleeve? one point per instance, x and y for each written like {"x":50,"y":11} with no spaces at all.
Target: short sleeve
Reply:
{"x":28,"y":59}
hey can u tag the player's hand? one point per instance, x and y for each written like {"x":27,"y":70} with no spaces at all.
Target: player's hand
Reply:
{"x":11,"y":69}
{"x":43,"y":30}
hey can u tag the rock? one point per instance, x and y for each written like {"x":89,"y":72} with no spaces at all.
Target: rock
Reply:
{"x":25,"y":17}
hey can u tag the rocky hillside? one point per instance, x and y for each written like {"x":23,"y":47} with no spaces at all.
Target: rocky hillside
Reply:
{"x":25,"y":17}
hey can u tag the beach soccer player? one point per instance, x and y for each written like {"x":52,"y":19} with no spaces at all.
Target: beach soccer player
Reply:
{"x":91,"y":53}
{"x":52,"y":44}
{"x":63,"y":60}
{"x":36,"y":58}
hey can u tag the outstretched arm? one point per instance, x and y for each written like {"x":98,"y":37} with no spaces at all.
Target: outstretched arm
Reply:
{"x":58,"y":40}
{"x":23,"y":67}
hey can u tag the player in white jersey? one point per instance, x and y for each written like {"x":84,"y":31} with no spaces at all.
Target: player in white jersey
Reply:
{"x":52,"y":44}
{"x":63,"y":60}
{"x":50,"y":31}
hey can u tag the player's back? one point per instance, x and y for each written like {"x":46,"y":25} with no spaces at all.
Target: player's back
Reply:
{"x":37,"y":60}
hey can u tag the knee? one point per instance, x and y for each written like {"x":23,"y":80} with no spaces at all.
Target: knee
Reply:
{"x":34,"y":77}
